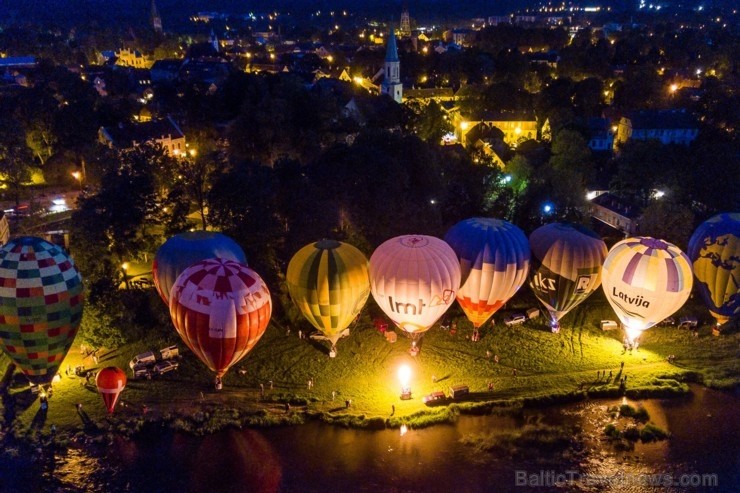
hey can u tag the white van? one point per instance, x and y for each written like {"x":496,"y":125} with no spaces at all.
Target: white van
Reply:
{"x":142,"y":360}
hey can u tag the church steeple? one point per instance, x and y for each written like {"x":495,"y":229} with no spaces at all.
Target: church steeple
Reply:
{"x":392,"y":81}
{"x":405,"y":27}
{"x":214,"y":41}
{"x":156,"y":19}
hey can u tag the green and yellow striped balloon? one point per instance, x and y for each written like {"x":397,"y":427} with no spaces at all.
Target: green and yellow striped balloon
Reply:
{"x":329,"y":283}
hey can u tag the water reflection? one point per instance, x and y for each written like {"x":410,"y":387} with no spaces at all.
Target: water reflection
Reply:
{"x":318,"y":457}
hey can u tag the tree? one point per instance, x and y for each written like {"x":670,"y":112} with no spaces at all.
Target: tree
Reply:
{"x":15,"y":158}
{"x":114,"y":224}
{"x":667,"y":220}
{"x":429,"y":121}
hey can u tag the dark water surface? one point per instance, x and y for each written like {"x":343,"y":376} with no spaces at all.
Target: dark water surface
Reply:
{"x":318,"y":458}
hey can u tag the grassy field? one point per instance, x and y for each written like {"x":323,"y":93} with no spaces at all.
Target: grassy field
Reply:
{"x":548,"y":366}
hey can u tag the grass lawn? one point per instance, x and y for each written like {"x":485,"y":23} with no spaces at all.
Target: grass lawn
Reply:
{"x":365,"y":371}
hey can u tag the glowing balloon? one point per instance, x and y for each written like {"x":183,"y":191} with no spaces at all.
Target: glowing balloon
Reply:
{"x":41,"y":302}
{"x":110,"y":382}
{"x":714,"y":248}
{"x":181,"y":251}
{"x":494,"y":259}
{"x":413,"y":279}
{"x":220,"y":308}
{"x":567,"y":260}
{"x":645,"y":280}
{"x":328,"y":282}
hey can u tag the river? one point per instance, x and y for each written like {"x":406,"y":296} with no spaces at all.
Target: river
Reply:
{"x":704,"y":448}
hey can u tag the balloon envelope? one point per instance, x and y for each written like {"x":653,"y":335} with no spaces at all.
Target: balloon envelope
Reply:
{"x":645,"y":280}
{"x":183,"y":250}
{"x":567,"y":260}
{"x":714,"y":249}
{"x":494,"y":259}
{"x":328,"y":282}
{"x":414,"y":278}
{"x":110,"y":382}
{"x":220,"y":308}
{"x":41,"y":302}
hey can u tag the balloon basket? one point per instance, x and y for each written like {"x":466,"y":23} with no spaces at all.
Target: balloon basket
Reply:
{"x":406,"y":394}
{"x":333,"y":353}
{"x":414,"y":351}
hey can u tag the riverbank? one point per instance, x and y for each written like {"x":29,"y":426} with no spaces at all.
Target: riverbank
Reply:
{"x":526,"y":366}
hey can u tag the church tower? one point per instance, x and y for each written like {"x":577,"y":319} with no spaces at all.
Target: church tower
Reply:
{"x":214,"y":41}
{"x":405,"y":26}
{"x":392,"y":81}
{"x":156,"y":19}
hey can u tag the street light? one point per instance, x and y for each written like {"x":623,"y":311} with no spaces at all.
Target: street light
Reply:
{"x":124,"y":268}
{"x":77,"y":176}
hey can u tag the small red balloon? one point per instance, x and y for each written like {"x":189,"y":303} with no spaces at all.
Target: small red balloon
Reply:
{"x":110,"y":381}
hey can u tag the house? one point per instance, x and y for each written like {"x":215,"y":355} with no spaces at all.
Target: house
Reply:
{"x":132,"y":58}
{"x":205,"y":72}
{"x":601,"y":134}
{"x":516,"y":126}
{"x":463,"y":37}
{"x":430,"y":94}
{"x":12,"y":62}
{"x":164,"y":71}
{"x":549,"y":58}
{"x":675,"y":126}
{"x":615,"y":212}
{"x":129,"y":135}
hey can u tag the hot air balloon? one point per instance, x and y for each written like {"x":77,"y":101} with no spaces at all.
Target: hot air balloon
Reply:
{"x":183,"y":250}
{"x":413,"y":279}
{"x":494,"y":259}
{"x":220,"y":308}
{"x":566,"y":268}
{"x":41,"y":302}
{"x":714,"y":248}
{"x":110,"y":382}
{"x":328,"y":281}
{"x":645,"y":281}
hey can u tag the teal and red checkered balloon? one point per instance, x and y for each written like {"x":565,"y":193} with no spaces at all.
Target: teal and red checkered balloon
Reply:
{"x":41,"y":300}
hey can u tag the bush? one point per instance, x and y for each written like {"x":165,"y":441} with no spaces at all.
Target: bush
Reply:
{"x":651,"y":433}
{"x":631,"y":433}
{"x":612,"y":431}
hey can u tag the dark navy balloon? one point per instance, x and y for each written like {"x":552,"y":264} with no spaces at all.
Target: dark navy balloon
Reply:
{"x":714,"y":249}
{"x":185,"y":249}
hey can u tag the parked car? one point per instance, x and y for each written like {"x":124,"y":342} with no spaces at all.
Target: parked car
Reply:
{"x":688,"y":323}
{"x":165,"y":367}
{"x":514,"y":319}
{"x":459,"y":391}
{"x":437,"y":397}
{"x":533,"y":313}
{"x":668,"y":321}
{"x":169,"y":352}
{"x":142,"y":372}
{"x":609,"y":325}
